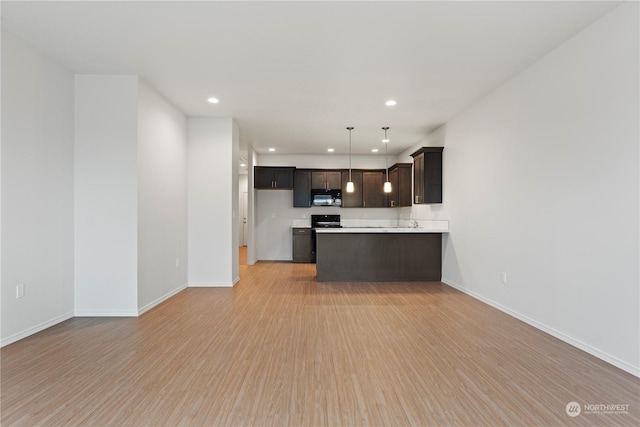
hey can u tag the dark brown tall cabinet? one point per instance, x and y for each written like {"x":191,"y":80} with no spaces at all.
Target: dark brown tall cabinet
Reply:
{"x":400,"y":178}
{"x":301,"y":188}
{"x":427,"y":175}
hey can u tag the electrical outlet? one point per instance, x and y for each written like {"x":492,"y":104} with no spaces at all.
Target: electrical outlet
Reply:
{"x":504,"y":277}
{"x":177,"y":262}
{"x":20,"y":290}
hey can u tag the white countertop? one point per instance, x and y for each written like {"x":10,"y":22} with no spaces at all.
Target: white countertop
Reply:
{"x":349,"y":230}
{"x":381,"y":226}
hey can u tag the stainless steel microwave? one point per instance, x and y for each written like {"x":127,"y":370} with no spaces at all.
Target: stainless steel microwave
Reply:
{"x":326,"y":198}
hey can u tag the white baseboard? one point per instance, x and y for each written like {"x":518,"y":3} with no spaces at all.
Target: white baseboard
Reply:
{"x":236,"y":280}
{"x":42,"y":326}
{"x":627,"y":367}
{"x":161,"y":300}
{"x":211,"y":284}
{"x":106,"y":313}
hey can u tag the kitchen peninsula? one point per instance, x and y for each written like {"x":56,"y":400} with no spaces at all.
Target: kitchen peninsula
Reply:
{"x":380,"y":254}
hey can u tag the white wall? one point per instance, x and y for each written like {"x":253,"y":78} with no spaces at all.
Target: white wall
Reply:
{"x":252,"y":254}
{"x":235,"y":202}
{"x":212,"y":188}
{"x":37,"y":191}
{"x":541,"y":182}
{"x":436,"y":210}
{"x":162,"y":198}
{"x":337,"y":161}
{"x":106,"y":202}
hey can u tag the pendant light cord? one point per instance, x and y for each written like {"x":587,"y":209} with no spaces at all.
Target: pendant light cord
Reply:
{"x":350,"y":128}
{"x":386,"y":144}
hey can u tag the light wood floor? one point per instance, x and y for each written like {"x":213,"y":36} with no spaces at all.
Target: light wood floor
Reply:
{"x":280,"y":349}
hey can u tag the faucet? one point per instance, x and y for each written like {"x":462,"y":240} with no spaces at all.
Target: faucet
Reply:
{"x":414,"y":223}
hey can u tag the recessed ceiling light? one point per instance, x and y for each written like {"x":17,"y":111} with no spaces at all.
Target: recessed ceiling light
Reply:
{"x":213,"y":100}
{"x":243,"y":165}
{"x":390,"y":103}
{"x":331,"y":150}
{"x":374,"y":150}
{"x":385,"y":140}
{"x":272,"y":149}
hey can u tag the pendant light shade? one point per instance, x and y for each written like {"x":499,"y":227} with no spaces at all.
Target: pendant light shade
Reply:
{"x":350,"y":187}
{"x":387,"y":185}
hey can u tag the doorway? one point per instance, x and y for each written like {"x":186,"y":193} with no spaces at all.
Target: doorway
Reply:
{"x":243,"y":226}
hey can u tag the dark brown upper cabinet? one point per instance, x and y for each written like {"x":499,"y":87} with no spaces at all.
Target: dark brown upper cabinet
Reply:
{"x":427,"y":175}
{"x":368,"y":192}
{"x":372,"y":192}
{"x":400,"y":178}
{"x":352,"y":200}
{"x":273,"y":178}
{"x":326,"y":180}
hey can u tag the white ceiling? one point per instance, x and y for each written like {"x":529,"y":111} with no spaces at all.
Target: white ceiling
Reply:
{"x":295,"y":74}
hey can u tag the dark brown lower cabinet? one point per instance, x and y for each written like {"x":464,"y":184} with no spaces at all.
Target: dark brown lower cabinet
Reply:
{"x":301,"y":244}
{"x":378,"y":257}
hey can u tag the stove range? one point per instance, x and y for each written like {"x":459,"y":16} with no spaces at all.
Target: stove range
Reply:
{"x":321,"y":221}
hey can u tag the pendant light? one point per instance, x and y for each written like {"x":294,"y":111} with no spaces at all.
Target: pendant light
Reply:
{"x":387,"y":185}
{"x":350,"y":183}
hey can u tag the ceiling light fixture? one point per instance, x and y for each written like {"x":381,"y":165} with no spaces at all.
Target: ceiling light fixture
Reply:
{"x":213,"y":100}
{"x":272,"y":149}
{"x":374,"y":150}
{"x":331,"y":150}
{"x":387,"y":185}
{"x":390,"y":103}
{"x":350,"y":183}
